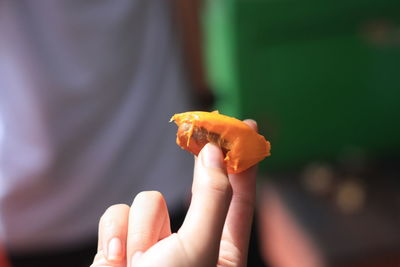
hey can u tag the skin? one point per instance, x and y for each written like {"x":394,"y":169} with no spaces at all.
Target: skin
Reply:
{"x":215,"y":232}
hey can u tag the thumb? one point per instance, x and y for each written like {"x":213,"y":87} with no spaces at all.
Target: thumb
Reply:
{"x":211,"y":195}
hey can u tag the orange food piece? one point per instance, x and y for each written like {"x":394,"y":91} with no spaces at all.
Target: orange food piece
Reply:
{"x":243,"y":147}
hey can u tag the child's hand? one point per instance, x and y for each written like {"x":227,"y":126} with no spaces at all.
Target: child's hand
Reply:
{"x":215,"y":232}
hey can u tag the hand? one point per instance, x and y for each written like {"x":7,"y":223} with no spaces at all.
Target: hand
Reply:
{"x":215,"y":232}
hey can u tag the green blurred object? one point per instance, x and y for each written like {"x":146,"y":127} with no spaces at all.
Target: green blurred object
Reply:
{"x":320,"y":77}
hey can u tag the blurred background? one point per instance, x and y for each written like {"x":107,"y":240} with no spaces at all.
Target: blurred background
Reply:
{"x":322,"y":79}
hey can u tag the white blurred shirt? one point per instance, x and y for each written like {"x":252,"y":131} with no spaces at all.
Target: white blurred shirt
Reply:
{"x":86,"y":92}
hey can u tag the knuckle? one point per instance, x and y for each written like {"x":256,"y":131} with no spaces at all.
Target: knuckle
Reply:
{"x":110,"y":218}
{"x":217,"y":182}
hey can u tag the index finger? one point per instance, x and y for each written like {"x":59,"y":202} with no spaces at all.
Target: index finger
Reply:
{"x":240,"y":215}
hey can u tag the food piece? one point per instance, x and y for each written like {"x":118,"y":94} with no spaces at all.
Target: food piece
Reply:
{"x":242,"y":146}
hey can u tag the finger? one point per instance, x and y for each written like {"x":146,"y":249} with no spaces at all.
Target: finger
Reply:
{"x":211,"y":194}
{"x":101,"y":261}
{"x":148,"y":222}
{"x":238,"y":223}
{"x":251,"y":123}
{"x":113,"y":228}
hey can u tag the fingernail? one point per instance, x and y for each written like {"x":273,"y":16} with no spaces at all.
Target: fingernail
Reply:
{"x":253,"y":121}
{"x":135,"y":257}
{"x":211,"y":156}
{"x":114,"y":249}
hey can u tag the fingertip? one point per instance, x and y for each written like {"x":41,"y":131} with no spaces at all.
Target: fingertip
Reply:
{"x":211,"y":173}
{"x":150,"y":197}
{"x":211,"y":156}
{"x":252,"y":123}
